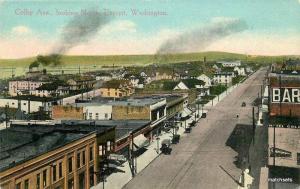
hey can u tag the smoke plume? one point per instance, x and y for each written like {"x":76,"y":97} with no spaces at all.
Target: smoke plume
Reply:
{"x":80,"y":30}
{"x":200,"y":38}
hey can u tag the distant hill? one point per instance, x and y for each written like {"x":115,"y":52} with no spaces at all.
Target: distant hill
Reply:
{"x":119,"y":60}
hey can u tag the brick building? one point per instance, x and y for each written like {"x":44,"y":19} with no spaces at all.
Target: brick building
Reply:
{"x":53,"y":156}
{"x":284,"y":94}
{"x":22,"y":87}
{"x":117,"y":89}
{"x":67,"y":112}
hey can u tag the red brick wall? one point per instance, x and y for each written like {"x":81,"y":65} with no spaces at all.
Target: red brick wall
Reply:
{"x":67,"y":112}
{"x":292,"y":110}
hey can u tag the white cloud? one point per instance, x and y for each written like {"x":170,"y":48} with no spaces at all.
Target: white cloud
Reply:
{"x":119,"y":26}
{"x":21,"y":30}
{"x":259,"y":44}
{"x":148,"y":43}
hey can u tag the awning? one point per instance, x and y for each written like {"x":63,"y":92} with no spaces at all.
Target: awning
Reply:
{"x":140,"y":141}
{"x":186,"y":112}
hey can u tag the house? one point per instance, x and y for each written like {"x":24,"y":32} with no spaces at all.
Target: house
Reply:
{"x":50,"y":90}
{"x":143,"y":74}
{"x":117,"y":88}
{"x":81,"y":83}
{"x":240,"y":71}
{"x":162,"y":76}
{"x":23,"y":87}
{"x":224,"y":78}
{"x":189,"y":84}
{"x":230,"y":63}
{"x":206,"y":79}
{"x":103,"y":76}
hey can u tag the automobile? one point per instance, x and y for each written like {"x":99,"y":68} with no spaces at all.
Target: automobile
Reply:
{"x":188,"y":130}
{"x":203,"y":115}
{"x":243,"y":104}
{"x":175,"y":139}
{"x":193,"y":124}
{"x":165,"y":147}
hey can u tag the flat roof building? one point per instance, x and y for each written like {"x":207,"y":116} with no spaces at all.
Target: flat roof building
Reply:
{"x":57,"y":156}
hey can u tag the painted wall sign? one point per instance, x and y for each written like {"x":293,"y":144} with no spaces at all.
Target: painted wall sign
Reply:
{"x":286,"y":95}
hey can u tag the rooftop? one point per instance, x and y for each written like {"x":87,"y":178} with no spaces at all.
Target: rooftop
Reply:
{"x":137,"y":101}
{"x":123,"y":127}
{"x":22,"y":143}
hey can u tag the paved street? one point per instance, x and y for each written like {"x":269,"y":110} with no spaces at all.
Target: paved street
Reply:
{"x":202,"y":160}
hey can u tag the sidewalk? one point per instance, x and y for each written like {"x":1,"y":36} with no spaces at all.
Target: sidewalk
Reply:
{"x":119,"y":179}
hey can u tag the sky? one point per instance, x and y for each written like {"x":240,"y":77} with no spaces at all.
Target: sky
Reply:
{"x":29,"y":28}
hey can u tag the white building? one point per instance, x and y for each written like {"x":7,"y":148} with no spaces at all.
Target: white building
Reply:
{"x":230,"y":64}
{"x":24,"y":104}
{"x":104,"y":77}
{"x":206,"y":79}
{"x":50,"y":92}
{"x":23,"y":87}
{"x":181,"y":86}
{"x":240,"y":70}
{"x":96,"y":111}
{"x":223,"y":78}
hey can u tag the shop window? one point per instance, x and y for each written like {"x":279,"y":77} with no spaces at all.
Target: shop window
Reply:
{"x":82,"y":180}
{"x":92,"y":176}
{"x":71,"y":183}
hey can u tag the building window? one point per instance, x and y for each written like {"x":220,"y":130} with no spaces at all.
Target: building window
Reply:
{"x":97,"y":116}
{"x":108,"y":93}
{"x":90,"y":115}
{"x":26,"y":184}
{"x":54,"y":173}
{"x":70,"y":163}
{"x":44,"y":178}
{"x":38,"y":181}
{"x":100,"y":150}
{"x":106,"y":115}
{"x":91,"y":153}
{"x":82,"y":180}
{"x":18,"y":186}
{"x":108,"y":145}
{"x":78,"y":160}
{"x":83,"y":157}
{"x":71,"y":183}
{"x":92,"y":176}
{"x":60,"y":170}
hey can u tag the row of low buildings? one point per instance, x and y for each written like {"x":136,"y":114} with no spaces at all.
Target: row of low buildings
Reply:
{"x":70,"y":151}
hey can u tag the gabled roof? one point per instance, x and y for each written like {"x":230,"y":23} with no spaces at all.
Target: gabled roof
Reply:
{"x":115,"y":83}
{"x":191,"y":83}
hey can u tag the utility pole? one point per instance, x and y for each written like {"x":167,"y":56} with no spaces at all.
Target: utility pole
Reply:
{"x":253,"y":124}
{"x":6,"y":115}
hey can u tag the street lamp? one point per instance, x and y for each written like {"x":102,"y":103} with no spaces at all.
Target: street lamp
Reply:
{"x":157,"y":139}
